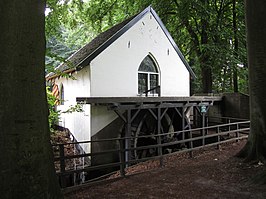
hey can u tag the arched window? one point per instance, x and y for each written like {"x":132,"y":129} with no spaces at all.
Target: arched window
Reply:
{"x":148,"y":77}
{"x":62,"y":97}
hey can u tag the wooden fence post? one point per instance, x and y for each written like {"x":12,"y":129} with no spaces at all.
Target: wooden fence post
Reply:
{"x":190,"y":144}
{"x":122,"y":157}
{"x":62,"y":165}
{"x":218,"y":138}
{"x":237,"y":132}
{"x":159,"y":141}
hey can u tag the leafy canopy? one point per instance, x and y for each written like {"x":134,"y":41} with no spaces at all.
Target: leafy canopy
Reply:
{"x":210,"y":33}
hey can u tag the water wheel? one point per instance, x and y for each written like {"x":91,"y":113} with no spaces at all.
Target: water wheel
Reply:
{"x":146,"y":125}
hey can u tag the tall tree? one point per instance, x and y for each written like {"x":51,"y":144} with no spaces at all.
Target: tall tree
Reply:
{"x":26,"y":161}
{"x":210,"y":33}
{"x":235,"y":76}
{"x":67,"y":29}
{"x":255,"y":148}
{"x":201,"y":28}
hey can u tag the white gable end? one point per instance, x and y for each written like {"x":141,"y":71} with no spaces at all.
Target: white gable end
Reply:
{"x":114,"y":72}
{"x":111,"y":68}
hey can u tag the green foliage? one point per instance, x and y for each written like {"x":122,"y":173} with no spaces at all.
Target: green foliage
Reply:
{"x":53,"y":113}
{"x":66,"y":30}
{"x":204,"y":31}
{"x":74,"y":108}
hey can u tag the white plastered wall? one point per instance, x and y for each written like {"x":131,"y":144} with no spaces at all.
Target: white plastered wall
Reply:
{"x":114,"y":71}
{"x":79,"y":123}
{"x":101,"y":117}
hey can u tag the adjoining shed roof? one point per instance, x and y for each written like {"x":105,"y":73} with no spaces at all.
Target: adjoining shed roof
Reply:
{"x":87,"y":53}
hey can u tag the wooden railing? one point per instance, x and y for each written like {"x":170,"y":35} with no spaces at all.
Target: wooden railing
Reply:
{"x":203,"y":137}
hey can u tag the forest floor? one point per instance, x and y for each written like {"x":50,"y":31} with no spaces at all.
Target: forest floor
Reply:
{"x":211,"y":173}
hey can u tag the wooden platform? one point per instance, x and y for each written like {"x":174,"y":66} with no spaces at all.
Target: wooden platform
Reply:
{"x":148,"y":100}
{"x":176,"y":109}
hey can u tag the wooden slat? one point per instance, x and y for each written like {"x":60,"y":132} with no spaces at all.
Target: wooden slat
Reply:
{"x":137,"y":100}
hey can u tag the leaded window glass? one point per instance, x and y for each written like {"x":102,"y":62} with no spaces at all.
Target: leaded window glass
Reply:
{"x":148,"y":77}
{"x":143,"y":83}
{"x":148,"y":65}
{"x":62,"y":95}
{"x":153,"y":82}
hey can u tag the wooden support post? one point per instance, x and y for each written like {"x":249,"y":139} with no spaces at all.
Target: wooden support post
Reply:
{"x":190,"y":144}
{"x":207,"y":124}
{"x":159,"y":141}
{"x":183,"y":127}
{"x":229,"y":126}
{"x":62,"y":165}
{"x":197,"y":118}
{"x":218,"y":138}
{"x":237,"y":132}
{"x":128,"y":136}
{"x":122,"y":157}
{"x":203,"y":130}
{"x":120,"y":115}
{"x":207,"y":119}
{"x":183,"y":122}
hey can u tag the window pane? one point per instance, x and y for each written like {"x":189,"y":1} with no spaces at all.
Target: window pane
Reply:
{"x":148,"y":65}
{"x":143,"y":86}
{"x":62,"y":95}
{"x":154,"y":82}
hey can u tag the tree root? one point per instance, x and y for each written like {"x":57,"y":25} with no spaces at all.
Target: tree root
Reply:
{"x":250,"y":155}
{"x":259,"y":178}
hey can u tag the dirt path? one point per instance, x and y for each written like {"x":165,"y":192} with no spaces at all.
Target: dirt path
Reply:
{"x":210,"y":174}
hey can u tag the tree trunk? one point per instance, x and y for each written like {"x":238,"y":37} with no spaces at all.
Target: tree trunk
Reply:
{"x":235,"y":75}
{"x":255,"y":148}
{"x":206,"y":74}
{"x":26,"y":160}
{"x":206,"y":70}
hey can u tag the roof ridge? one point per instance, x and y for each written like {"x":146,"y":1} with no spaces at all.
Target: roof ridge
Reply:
{"x":83,"y":56}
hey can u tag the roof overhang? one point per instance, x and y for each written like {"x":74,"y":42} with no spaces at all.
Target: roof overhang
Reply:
{"x":86,"y":61}
{"x":149,"y":9}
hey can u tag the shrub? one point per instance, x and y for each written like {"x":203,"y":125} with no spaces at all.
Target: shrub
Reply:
{"x":53,"y":113}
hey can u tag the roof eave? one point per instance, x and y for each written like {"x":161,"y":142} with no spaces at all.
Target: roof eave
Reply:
{"x":55,"y":75}
{"x":86,"y":61}
{"x":96,"y":52}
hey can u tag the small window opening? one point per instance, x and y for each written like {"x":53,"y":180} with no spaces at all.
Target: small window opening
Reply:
{"x":62,"y":95}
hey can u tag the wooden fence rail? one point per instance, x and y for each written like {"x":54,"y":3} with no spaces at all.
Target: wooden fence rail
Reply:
{"x":233,"y":131}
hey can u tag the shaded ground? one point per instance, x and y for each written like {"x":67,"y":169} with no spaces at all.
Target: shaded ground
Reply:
{"x":210,"y":174}
{"x":59,"y":137}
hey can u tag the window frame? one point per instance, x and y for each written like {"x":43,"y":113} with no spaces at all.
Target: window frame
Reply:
{"x":62,"y":95}
{"x":148,"y":77}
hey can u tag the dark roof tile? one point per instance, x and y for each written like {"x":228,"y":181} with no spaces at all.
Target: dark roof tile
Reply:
{"x":76,"y":58}
{"x":88,"y":52}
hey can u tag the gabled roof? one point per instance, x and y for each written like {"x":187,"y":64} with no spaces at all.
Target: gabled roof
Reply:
{"x":87,"y":53}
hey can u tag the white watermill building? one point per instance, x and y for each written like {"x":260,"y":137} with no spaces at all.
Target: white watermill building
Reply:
{"x":123,"y":75}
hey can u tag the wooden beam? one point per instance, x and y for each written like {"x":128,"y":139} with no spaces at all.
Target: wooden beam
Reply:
{"x":120,"y":115}
{"x":139,"y":100}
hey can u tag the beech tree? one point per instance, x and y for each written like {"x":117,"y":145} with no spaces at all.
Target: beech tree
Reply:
{"x":210,"y":34}
{"x":255,"y":149}
{"x":26,"y":160}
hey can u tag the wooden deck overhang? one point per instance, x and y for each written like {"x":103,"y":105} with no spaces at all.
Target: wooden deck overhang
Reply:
{"x":128,"y":109}
{"x":149,"y":102}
